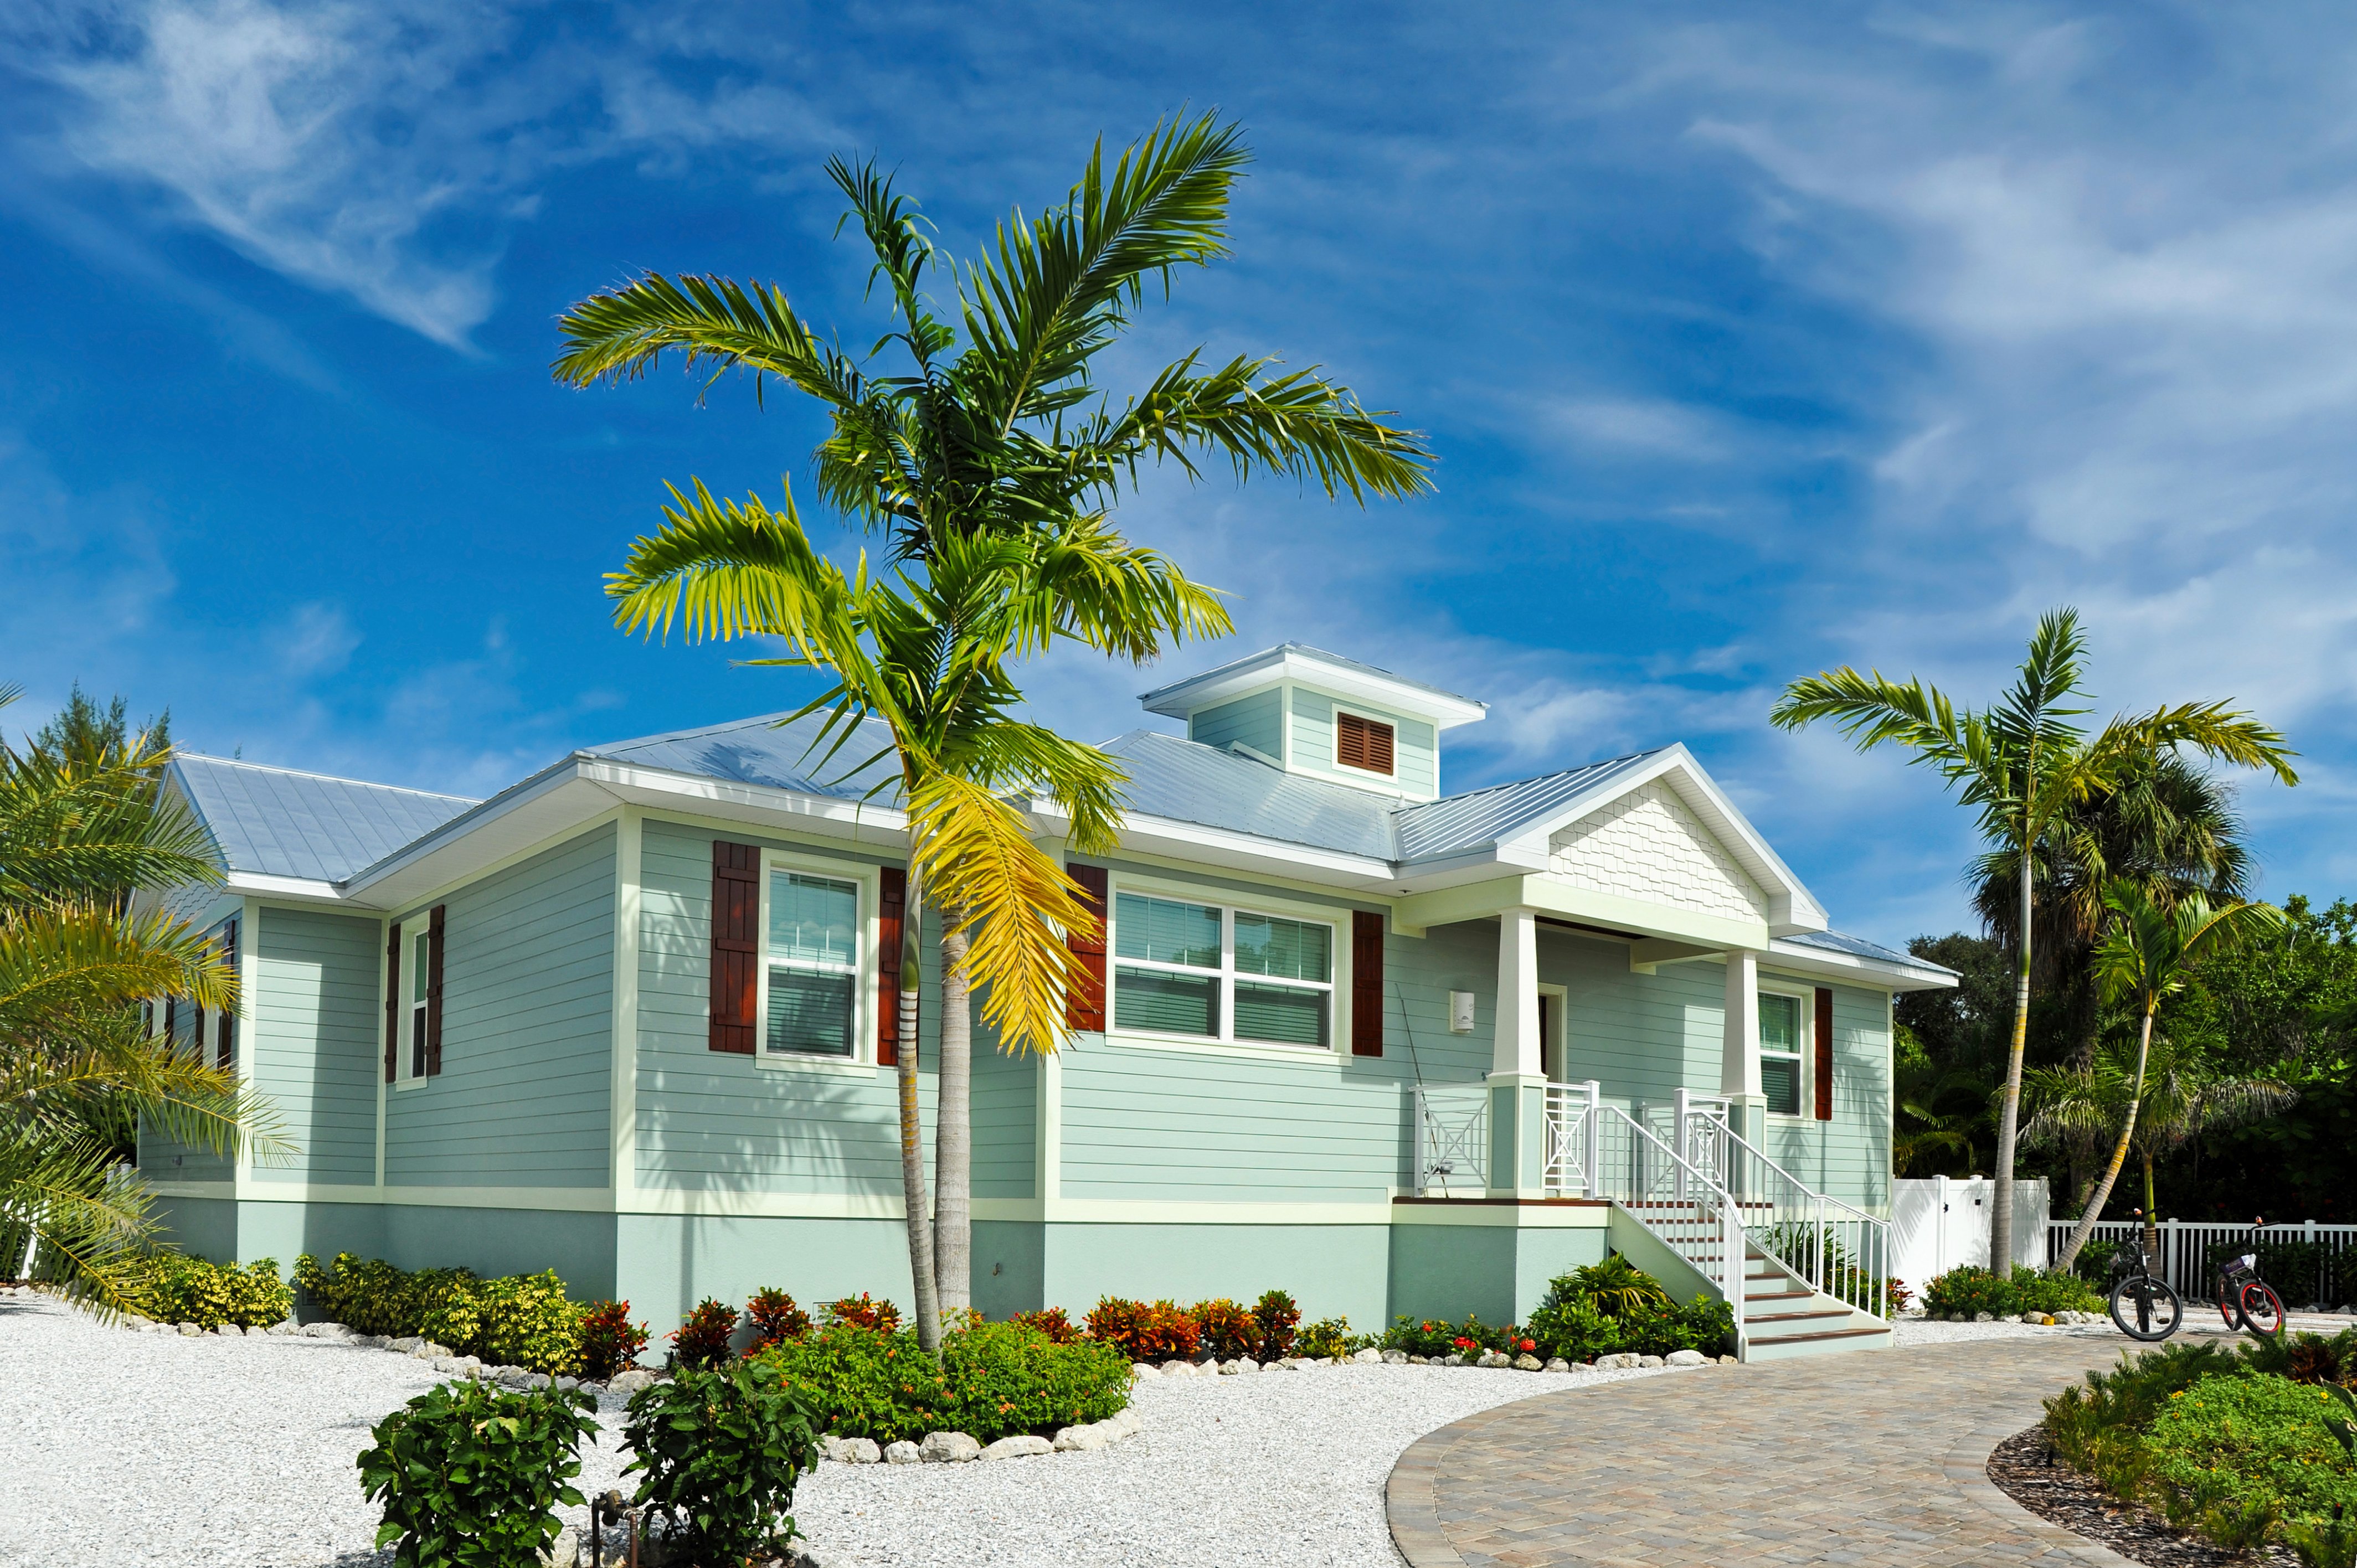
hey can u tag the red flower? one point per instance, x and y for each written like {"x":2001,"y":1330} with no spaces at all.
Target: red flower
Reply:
{"x":1529,"y":1346}
{"x":1464,"y":1344}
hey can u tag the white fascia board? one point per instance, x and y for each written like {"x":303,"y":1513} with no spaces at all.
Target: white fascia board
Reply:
{"x":1244,"y":851}
{"x":1409,"y":697}
{"x":759,"y":804}
{"x":1855,"y":969}
{"x":1792,"y":908}
{"x":300,"y":889}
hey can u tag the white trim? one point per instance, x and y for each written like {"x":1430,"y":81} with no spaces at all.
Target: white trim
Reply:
{"x":1804,"y":999}
{"x":1391,"y":773}
{"x":685,"y":1202}
{"x":1855,"y":969}
{"x":1180,"y":1211}
{"x":623,"y":1097}
{"x":866,"y":884}
{"x":376,"y":1059}
{"x":1337,"y":988}
{"x":1291,"y":664}
{"x":1506,"y":1216}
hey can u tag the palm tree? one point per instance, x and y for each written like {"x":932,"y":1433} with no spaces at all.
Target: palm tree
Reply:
{"x":2022,"y":764}
{"x":996,"y":429}
{"x":2146,"y":957}
{"x":74,"y":965}
{"x":1943,"y":1112}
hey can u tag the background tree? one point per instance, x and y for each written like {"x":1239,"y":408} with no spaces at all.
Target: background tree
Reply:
{"x":996,"y":427}
{"x":2022,"y":763}
{"x":78,"y":827}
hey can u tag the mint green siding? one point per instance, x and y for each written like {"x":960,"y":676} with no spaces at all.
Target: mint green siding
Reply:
{"x":1848,"y":1156}
{"x":1415,"y":751}
{"x":316,"y":1046}
{"x":712,"y":1120}
{"x":164,"y":1159}
{"x":527,"y":1031}
{"x":1006,"y":1110}
{"x":1258,"y":721}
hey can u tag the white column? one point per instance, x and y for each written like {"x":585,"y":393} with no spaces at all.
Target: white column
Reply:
{"x":1516,"y":1049}
{"x":1739,"y":1064}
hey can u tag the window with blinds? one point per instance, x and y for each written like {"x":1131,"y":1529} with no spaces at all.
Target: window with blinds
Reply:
{"x":1363,"y":743}
{"x":1780,"y":1053}
{"x":814,"y":964}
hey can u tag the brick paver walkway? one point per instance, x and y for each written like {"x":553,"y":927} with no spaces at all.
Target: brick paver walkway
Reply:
{"x":1873,"y":1459}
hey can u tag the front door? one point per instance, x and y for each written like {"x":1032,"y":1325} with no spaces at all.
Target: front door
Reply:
{"x":1551,"y":1034}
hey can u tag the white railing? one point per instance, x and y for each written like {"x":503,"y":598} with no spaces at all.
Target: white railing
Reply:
{"x":1681,"y":1205}
{"x":2186,"y":1246}
{"x":1838,"y":1249}
{"x":1452,"y":1139}
{"x":1571,"y":1134}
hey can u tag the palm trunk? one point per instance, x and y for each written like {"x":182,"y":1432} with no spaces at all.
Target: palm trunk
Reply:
{"x":2094,"y":1210}
{"x":953,"y":1133}
{"x":2151,"y":1211}
{"x":912,"y":1127}
{"x":2008,"y":1115}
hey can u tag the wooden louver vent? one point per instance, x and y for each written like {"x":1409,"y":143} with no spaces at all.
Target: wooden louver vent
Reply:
{"x":1362,"y":743}
{"x":736,"y":944}
{"x":1824,"y":1054}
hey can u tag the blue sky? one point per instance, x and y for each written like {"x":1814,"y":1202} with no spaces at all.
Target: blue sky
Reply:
{"x":1752,"y":339}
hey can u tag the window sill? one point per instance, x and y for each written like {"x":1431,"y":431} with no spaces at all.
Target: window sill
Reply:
{"x":1253,"y":1051}
{"x":831,"y":1066}
{"x":403,"y":1085}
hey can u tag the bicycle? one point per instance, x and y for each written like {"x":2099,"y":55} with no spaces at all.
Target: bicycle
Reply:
{"x":2143,"y":1304}
{"x":2244,"y":1300}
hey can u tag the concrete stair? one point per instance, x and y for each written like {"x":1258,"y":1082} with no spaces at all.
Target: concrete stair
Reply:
{"x":1784,"y":1319}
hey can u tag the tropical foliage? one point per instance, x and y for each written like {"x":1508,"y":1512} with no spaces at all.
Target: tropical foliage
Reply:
{"x":989,"y":463}
{"x":469,"y":1476}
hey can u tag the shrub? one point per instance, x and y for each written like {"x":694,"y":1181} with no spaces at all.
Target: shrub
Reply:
{"x":721,"y":1451}
{"x":611,"y":1342}
{"x":471,"y":1475}
{"x":1228,"y":1331}
{"x":862,"y":1382}
{"x":523,"y":1320}
{"x":2242,"y":1443}
{"x":1328,"y":1338}
{"x":2036,"y":1291}
{"x":991,"y":1380}
{"x":1701,"y":1324}
{"x":1279,"y":1318}
{"x":181,"y":1289}
{"x":1146,"y":1331}
{"x":1050,"y":1321}
{"x":1574,"y":1329}
{"x":702,"y":1340}
{"x":1438,"y":1337}
{"x":1614,"y":1306}
{"x":1617,"y":1286}
{"x":1968,"y":1290}
{"x":2305,"y":1358}
{"x":775,"y":1319}
{"x":859,"y":1311}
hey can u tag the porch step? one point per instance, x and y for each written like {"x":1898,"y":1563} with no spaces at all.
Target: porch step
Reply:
{"x":1836,"y":1341}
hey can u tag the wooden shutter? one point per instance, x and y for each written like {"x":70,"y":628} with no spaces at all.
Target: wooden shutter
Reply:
{"x":736,"y":944}
{"x":1084,"y":1004}
{"x":1362,"y":743}
{"x":1366,"y":983}
{"x":171,"y":1023}
{"x":225,"y":1031}
{"x":392,"y":1001}
{"x":1824,"y":1054}
{"x":434,"y":991}
{"x":892,"y":905}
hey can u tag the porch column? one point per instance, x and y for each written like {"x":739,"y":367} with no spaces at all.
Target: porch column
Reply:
{"x":1516,"y":1047}
{"x":1738,"y":1062}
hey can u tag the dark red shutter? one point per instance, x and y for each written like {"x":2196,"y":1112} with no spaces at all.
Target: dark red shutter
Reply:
{"x":1366,"y":985}
{"x":391,"y":1001}
{"x":225,"y":1045}
{"x":434,"y":991}
{"x":891,"y":906}
{"x":1824,"y":1054}
{"x":736,"y":944}
{"x":1084,"y":1004}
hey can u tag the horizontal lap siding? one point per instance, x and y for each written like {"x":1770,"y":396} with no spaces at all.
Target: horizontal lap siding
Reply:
{"x":711,"y":1120}
{"x":1005,"y":1106}
{"x":166,"y":1159}
{"x":1258,"y":721}
{"x":1848,"y":1156}
{"x":317,"y":1047}
{"x":1641,"y":1037}
{"x":527,"y":1032}
{"x":1416,"y":758}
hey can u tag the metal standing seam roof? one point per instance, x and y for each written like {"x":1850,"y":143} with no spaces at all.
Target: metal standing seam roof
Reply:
{"x":1859,"y":947}
{"x":763,"y":751}
{"x":275,"y":822}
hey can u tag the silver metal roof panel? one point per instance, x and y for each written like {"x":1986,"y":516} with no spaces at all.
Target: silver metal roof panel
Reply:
{"x":273,"y":822}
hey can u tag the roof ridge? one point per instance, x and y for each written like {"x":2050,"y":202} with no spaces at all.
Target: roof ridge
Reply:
{"x":306,"y":773}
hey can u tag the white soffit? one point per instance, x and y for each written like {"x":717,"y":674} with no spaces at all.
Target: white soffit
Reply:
{"x":1327,"y":672}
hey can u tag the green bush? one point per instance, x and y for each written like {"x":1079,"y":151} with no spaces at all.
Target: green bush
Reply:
{"x":1573,"y":1328}
{"x":514,"y":1320}
{"x":721,"y":1452}
{"x":1229,"y":1330}
{"x":1438,"y":1337}
{"x":991,"y":1381}
{"x":2253,"y":1439}
{"x":1968,"y":1290}
{"x":181,"y":1289}
{"x":1329,"y":1339}
{"x":1613,"y":1306}
{"x":471,"y":1475}
{"x":2036,"y":1291}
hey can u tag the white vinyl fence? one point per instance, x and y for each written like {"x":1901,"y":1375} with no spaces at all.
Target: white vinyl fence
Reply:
{"x":1942,"y":1222}
{"x":2186,"y":1245}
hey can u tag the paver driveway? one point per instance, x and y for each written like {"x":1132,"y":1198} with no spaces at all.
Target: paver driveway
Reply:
{"x":1873,"y":1459}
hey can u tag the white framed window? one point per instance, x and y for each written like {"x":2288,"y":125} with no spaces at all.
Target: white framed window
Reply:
{"x":815,"y":956}
{"x":416,"y":976}
{"x":1188,"y":970}
{"x":1782,"y":1062}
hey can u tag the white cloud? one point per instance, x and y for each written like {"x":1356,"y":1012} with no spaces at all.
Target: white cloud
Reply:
{"x":318,"y":641}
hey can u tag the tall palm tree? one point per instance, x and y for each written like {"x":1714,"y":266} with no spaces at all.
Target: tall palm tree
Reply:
{"x":2146,"y":957}
{"x":2021,"y":764}
{"x":74,"y":965}
{"x":996,"y":427}
{"x":1942,"y":1116}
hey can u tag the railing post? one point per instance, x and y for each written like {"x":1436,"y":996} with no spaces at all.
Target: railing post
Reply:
{"x":1594,"y":1151}
{"x":1731,"y":1261}
{"x":1679,"y":1140}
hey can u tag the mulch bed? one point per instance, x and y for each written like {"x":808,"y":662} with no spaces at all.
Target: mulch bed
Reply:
{"x":2029,"y":1472}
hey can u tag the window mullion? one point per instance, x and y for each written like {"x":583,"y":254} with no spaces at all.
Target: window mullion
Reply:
{"x":1227,"y":974}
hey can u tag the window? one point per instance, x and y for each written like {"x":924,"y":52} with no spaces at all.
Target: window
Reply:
{"x":420,"y":942}
{"x":1362,"y":743}
{"x":1780,"y":1053}
{"x":812,"y":965}
{"x":1217,"y":973}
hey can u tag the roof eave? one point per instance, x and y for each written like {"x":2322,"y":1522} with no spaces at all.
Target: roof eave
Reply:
{"x":1857,"y":969}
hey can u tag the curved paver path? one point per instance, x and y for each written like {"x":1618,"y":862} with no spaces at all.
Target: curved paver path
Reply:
{"x":1873,"y":1459}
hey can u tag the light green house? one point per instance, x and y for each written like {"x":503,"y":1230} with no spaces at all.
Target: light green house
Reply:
{"x":1391,"y":1049}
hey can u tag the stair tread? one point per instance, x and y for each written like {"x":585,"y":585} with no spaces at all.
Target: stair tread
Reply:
{"x":1795,"y":1316}
{"x":1828,"y":1334}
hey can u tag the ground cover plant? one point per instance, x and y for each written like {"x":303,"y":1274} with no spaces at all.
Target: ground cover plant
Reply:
{"x":176,"y":1288}
{"x":2245,"y":1446}
{"x":469,"y":1475}
{"x":514,"y":1320}
{"x":721,"y":1451}
{"x":1614,"y":1307}
{"x":988,"y":1380}
{"x":1969,"y":1290}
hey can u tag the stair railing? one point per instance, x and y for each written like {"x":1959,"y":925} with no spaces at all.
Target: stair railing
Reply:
{"x":1571,"y":1134}
{"x":1684,"y":1207}
{"x":1838,"y":1249}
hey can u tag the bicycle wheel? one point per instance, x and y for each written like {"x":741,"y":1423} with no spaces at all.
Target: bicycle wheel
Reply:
{"x":2262,"y":1310}
{"x":2146,"y":1308}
